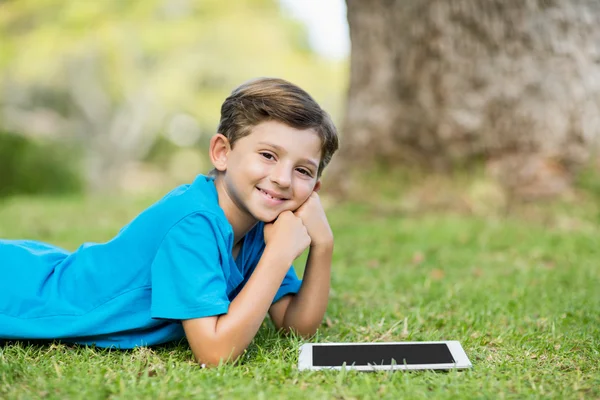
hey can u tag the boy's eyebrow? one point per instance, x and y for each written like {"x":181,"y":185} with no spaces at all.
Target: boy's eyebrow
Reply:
{"x":281,"y":149}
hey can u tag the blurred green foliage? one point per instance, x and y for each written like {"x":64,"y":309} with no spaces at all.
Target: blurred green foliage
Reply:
{"x":113,"y":75}
{"x":28,"y":166}
{"x":190,"y":53}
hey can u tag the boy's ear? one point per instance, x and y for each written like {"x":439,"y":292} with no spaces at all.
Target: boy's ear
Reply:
{"x":219,"y":151}
{"x":317,"y":186}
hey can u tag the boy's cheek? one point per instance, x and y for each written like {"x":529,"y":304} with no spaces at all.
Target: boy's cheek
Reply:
{"x":295,"y":208}
{"x":304,"y":201}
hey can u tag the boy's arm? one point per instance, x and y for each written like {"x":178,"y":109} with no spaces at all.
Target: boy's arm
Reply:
{"x":304,"y":311}
{"x":225,"y":337}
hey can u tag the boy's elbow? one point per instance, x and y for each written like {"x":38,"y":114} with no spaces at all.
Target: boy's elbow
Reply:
{"x":305,"y":331}
{"x":211,"y":359}
{"x":212,"y":362}
{"x":307,"y":334}
{"x":210,"y":349}
{"x":214,"y":351}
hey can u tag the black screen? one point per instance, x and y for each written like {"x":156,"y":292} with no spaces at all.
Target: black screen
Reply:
{"x":381,"y":354}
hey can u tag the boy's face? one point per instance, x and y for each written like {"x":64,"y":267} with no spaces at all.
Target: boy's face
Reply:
{"x":273,"y":169}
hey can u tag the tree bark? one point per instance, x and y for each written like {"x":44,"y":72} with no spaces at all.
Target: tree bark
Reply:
{"x":444,"y":82}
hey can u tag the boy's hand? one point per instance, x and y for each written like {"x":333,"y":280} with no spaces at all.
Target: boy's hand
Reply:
{"x":287,"y":235}
{"x":314,"y":218}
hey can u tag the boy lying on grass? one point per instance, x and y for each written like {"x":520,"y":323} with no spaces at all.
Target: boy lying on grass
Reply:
{"x":207,"y":261}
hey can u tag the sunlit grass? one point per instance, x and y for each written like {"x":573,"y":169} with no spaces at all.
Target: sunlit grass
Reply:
{"x":521,"y":295}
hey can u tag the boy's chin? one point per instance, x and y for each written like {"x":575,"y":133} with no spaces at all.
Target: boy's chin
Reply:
{"x":264,"y":217}
{"x":268,"y":218}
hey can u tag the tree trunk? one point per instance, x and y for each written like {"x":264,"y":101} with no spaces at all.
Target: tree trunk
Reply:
{"x":441,"y":82}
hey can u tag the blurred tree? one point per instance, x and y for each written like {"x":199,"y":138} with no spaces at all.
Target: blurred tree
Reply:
{"x":439,"y":83}
{"x":113,"y":74}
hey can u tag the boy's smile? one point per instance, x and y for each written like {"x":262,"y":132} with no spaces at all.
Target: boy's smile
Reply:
{"x":274,"y":197}
{"x":273,"y":169}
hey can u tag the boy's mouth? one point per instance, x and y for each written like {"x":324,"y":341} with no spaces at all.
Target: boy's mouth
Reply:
{"x":271,"y":195}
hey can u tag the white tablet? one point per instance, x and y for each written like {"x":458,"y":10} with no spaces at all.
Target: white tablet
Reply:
{"x":383,"y":356}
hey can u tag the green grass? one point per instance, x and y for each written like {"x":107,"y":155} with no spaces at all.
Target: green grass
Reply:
{"x":521,"y":295}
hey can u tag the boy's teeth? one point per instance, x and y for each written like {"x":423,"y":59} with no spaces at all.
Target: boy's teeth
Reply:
{"x":267,"y":193}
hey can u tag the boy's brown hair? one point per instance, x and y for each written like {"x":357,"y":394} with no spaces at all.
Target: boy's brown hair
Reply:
{"x":273,"y":99}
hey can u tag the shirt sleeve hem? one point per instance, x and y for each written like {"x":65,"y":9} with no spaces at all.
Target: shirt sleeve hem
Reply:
{"x":190,"y":312}
{"x":291,"y":288}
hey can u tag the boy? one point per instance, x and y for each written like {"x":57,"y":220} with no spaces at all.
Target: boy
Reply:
{"x":210,"y":259}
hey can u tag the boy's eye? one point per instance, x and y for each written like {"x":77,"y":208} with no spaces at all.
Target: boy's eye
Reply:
{"x":304,"y":172}
{"x":268,"y":156}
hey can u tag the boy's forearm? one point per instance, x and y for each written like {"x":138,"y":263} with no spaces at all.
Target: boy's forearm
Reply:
{"x":234,"y":331}
{"x":306,"y":309}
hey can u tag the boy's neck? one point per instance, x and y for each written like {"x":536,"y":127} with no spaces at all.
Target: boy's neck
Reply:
{"x":240,"y":222}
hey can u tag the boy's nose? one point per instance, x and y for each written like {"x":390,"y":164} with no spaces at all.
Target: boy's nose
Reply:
{"x":282,"y":176}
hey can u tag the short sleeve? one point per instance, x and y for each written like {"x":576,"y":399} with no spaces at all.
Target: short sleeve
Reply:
{"x":187,"y":277}
{"x":290,"y":285}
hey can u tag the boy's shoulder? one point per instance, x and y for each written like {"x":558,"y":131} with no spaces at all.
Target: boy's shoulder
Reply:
{"x":186,"y":212}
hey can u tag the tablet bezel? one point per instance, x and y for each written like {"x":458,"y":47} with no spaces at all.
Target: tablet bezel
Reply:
{"x":305,"y":358}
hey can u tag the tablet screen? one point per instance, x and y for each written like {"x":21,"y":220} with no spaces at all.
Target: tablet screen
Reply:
{"x":381,"y":354}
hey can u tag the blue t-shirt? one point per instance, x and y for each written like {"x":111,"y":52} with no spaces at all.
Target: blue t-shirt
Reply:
{"x":172,"y":262}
